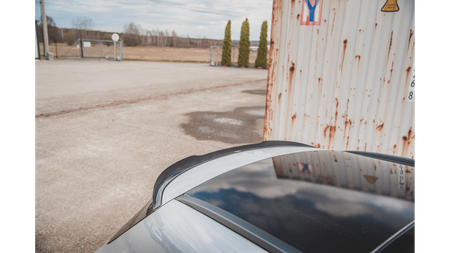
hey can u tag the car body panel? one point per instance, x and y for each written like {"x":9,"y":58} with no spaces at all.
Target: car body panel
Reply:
{"x":366,"y":197}
{"x":176,"y":227}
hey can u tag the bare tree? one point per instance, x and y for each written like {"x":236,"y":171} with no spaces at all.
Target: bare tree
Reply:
{"x":83,"y":24}
{"x":166,"y":38}
{"x":174,"y":38}
{"x":131,"y":34}
{"x":160,"y":38}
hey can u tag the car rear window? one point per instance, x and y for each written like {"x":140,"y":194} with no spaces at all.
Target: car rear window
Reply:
{"x":318,"y":201}
{"x":404,"y":243}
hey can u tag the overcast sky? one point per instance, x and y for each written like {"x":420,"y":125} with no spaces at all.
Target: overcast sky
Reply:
{"x":197,"y":18}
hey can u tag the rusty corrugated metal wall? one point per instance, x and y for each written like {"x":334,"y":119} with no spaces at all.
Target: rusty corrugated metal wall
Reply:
{"x":342,"y":77}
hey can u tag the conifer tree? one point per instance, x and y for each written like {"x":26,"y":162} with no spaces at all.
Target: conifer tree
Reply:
{"x":226,"y":48}
{"x":261,"y":59}
{"x":244,"y":45}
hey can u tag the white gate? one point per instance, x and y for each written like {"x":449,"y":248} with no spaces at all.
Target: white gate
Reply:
{"x":101,"y":49}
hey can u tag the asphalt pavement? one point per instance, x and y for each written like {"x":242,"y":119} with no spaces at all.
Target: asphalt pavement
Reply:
{"x":105,"y":131}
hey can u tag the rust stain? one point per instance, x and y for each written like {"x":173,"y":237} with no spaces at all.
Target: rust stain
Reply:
{"x":336,"y":113}
{"x":292,"y":68}
{"x":332,"y":26}
{"x":392,"y":69}
{"x":394,"y":149}
{"x":348,"y":124}
{"x":325,"y":131}
{"x":406,"y":142}
{"x":332,"y":134}
{"x":380,"y":127}
{"x":273,"y":56}
{"x":348,"y":139}
{"x":343,"y":53}
{"x":332,"y":128}
{"x":411,"y":33}
{"x":408,"y":70}
{"x":291,"y":76}
{"x":292,"y":12}
{"x":376,"y":24}
{"x":317,"y":45}
{"x":407,"y":75}
{"x":365,"y":147}
{"x":346,"y":110}
{"x":357,"y":148}
{"x":390,"y":44}
{"x":335,"y":159}
{"x":320,"y":85}
{"x":293,"y":119}
{"x":298,"y":17}
{"x":318,"y":145}
{"x":305,"y":117}
{"x":269,"y":111}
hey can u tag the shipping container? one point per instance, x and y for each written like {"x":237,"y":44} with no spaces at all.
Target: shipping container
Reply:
{"x":341,"y":75}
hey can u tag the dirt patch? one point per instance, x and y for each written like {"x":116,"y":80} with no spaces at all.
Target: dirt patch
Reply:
{"x":234,"y":127}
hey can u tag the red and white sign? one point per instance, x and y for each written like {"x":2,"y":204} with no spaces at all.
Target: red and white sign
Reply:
{"x":311,"y":12}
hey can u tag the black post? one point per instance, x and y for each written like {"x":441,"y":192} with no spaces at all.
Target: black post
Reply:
{"x":81,"y":46}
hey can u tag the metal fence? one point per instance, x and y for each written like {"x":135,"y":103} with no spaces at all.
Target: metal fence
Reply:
{"x":215,"y":56}
{"x":100,"y":49}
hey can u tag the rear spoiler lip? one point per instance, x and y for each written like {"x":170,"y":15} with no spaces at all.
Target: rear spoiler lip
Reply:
{"x":190,"y":162}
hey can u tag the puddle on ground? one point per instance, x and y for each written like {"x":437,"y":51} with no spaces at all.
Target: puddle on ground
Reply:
{"x":242,"y":125}
{"x":255,"y":92}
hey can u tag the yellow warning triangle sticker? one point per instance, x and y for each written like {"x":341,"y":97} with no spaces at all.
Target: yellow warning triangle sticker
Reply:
{"x":371,"y":179}
{"x":390,"y":6}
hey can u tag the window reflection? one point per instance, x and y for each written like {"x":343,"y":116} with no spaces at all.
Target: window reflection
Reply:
{"x":317,"y":201}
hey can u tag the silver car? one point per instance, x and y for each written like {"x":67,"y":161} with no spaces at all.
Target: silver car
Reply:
{"x":277,"y":196}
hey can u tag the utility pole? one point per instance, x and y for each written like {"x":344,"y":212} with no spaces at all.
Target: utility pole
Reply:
{"x":44,"y":25}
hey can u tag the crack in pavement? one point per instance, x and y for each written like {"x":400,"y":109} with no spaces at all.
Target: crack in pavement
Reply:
{"x":116,"y":103}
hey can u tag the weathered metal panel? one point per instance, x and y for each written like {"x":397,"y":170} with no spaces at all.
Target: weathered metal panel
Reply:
{"x":362,"y":174}
{"x":344,"y":84}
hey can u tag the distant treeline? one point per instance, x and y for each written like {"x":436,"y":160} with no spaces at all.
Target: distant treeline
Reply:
{"x":130,"y":37}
